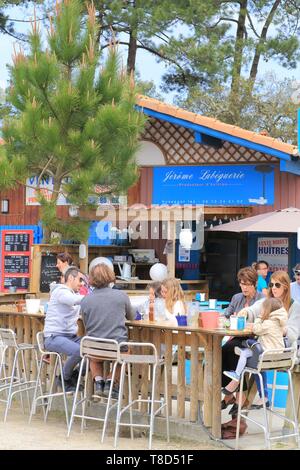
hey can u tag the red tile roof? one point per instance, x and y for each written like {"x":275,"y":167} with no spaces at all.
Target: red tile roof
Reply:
{"x":211,"y":123}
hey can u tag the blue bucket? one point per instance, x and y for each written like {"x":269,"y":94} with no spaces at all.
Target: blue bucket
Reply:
{"x":281,"y":388}
{"x":187,"y":371}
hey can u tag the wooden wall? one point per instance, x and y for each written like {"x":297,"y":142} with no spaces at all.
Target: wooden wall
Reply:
{"x":287,"y":194}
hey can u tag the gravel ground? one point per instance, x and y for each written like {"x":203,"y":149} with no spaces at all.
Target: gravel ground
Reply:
{"x":17,"y":434}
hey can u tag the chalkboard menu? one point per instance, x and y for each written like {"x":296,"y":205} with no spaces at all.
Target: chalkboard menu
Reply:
{"x":18,"y":282}
{"x":17,"y":264}
{"x":16,"y":242}
{"x":16,"y":260}
{"x":49,"y":271}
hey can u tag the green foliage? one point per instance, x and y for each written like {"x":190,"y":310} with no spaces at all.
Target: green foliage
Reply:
{"x":72,"y":121}
{"x":268,"y":107}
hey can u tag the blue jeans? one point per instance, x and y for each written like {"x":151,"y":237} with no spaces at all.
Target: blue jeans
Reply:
{"x":69,"y":345}
{"x":264,"y":378}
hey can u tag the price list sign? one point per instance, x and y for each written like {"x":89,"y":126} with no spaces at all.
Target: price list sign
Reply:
{"x":16,"y":263}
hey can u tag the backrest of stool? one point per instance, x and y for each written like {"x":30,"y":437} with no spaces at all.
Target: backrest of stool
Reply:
{"x":40,"y":342}
{"x":99,"y":348}
{"x":272,"y":359}
{"x":8,"y":338}
{"x":137,"y":358}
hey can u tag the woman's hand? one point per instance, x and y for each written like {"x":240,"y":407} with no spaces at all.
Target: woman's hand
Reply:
{"x":249,"y":327}
{"x":242,"y":313}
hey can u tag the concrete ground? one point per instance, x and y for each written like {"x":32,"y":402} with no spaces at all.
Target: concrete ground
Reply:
{"x":17,"y":434}
{"x":253,"y":439}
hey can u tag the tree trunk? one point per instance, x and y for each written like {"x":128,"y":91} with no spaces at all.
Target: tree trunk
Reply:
{"x":263,"y":36}
{"x":238,"y":60}
{"x":132,"y":49}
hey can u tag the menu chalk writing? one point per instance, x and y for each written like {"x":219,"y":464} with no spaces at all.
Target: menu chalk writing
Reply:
{"x":49,"y":272}
{"x":18,"y":264}
{"x":18,"y":282}
{"x":15,"y":258}
{"x":16,"y":242}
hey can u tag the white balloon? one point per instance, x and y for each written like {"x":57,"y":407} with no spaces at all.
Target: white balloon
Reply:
{"x":158,"y":272}
{"x":101,"y":260}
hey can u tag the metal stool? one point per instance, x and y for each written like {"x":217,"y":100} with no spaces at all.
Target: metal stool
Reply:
{"x":277,"y":360}
{"x":151,"y":359}
{"x":48,"y":397}
{"x":101,"y":349}
{"x":18,"y":381}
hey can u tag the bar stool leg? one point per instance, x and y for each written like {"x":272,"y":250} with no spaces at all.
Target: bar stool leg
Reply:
{"x":121,"y":387}
{"x":33,"y":406}
{"x":130,"y":399}
{"x":166,"y":403}
{"x":266,"y":427}
{"x":26,"y":378}
{"x":86,"y":379}
{"x":237,"y":436}
{"x":154,"y":376}
{"x":9,"y":396}
{"x":295,"y":420}
{"x":74,"y":406}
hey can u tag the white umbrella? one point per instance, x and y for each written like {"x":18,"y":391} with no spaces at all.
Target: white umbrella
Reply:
{"x":283,"y":220}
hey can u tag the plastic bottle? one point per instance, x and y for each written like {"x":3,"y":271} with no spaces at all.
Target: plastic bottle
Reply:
{"x":151,"y":311}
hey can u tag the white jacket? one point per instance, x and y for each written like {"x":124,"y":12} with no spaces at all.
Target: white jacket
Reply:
{"x":270,"y":331}
{"x":62,"y":313}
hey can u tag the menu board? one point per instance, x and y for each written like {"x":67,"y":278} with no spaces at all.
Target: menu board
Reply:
{"x":49,"y":271}
{"x":15,"y":259}
{"x":17,"y":264}
{"x":18,"y":282}
{"x":17,"y":242}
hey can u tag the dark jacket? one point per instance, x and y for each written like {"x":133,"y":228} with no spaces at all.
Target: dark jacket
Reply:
{"x":238,"y":302}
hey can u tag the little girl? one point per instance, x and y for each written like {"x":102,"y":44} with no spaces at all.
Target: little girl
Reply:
{"x":269,"y":328}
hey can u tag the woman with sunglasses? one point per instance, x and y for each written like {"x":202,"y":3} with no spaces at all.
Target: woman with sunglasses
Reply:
{"x":295,"y":286}
{"x":279,"y":287}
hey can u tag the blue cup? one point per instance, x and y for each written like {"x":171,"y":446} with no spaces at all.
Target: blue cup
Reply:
{"x":138,"y":316}
{"x":181,"y":320}
{"x":241,"y":323}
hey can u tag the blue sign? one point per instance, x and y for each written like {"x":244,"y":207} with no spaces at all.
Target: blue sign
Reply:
{"x":234,"y":185}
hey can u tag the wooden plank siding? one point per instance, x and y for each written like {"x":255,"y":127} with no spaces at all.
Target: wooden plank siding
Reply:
{"x":287,"y":194}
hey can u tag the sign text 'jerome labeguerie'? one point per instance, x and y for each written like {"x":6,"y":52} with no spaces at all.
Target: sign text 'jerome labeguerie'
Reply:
{"x":214,"y":185}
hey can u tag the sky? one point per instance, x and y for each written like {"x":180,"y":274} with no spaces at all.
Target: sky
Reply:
{"x":147,"y":65}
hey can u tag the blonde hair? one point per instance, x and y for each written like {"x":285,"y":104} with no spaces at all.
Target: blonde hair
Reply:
{"x":270,"y":305}
{"x":174,"y":293}
{"x":284,"y":279}
{"x":101,"y":276}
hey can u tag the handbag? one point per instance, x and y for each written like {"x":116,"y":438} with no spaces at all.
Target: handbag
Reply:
{"x":228,"y":430}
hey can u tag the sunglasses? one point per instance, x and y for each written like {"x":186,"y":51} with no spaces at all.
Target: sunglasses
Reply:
{"x":297,"y":273}
{"x":275,"y":284}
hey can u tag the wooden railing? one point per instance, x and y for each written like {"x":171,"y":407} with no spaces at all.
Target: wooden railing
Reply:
{"x":175,"y":344}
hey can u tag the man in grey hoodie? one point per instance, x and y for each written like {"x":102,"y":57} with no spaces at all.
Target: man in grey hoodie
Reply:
{"x":60,"y":330}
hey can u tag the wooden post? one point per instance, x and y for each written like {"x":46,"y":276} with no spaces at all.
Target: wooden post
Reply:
{"x":171,"y":250}
{"x":84,"y":262}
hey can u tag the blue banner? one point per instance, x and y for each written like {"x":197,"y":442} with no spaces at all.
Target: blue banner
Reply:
{"x":234,"y":185}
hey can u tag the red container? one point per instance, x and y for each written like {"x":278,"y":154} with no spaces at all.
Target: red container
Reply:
{"x":210,"y":319}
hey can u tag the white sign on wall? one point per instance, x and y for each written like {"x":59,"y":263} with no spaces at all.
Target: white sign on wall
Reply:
{"x":46,"y":186}
{"x":275,"y":251}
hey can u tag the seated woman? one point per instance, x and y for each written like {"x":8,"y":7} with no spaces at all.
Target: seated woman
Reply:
{"x":247,"y":278}
{"x":173,"y":294}
{"x":279,"y":288}
{"x":269,"y":327}
{"x":104,"y":312}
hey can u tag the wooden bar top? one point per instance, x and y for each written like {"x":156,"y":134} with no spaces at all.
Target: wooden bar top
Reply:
{"x":166,"y":326}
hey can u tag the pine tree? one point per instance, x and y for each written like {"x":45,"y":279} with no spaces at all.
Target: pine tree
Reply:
{"x":72,"y":121}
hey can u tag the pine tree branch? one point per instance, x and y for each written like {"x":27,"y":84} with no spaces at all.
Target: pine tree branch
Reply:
{"x":45,"y":169}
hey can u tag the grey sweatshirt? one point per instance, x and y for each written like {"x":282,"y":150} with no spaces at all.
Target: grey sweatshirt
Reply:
{"x":293,"y":322}
{"x":62,"y":313}
{"x":104,"y":312}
